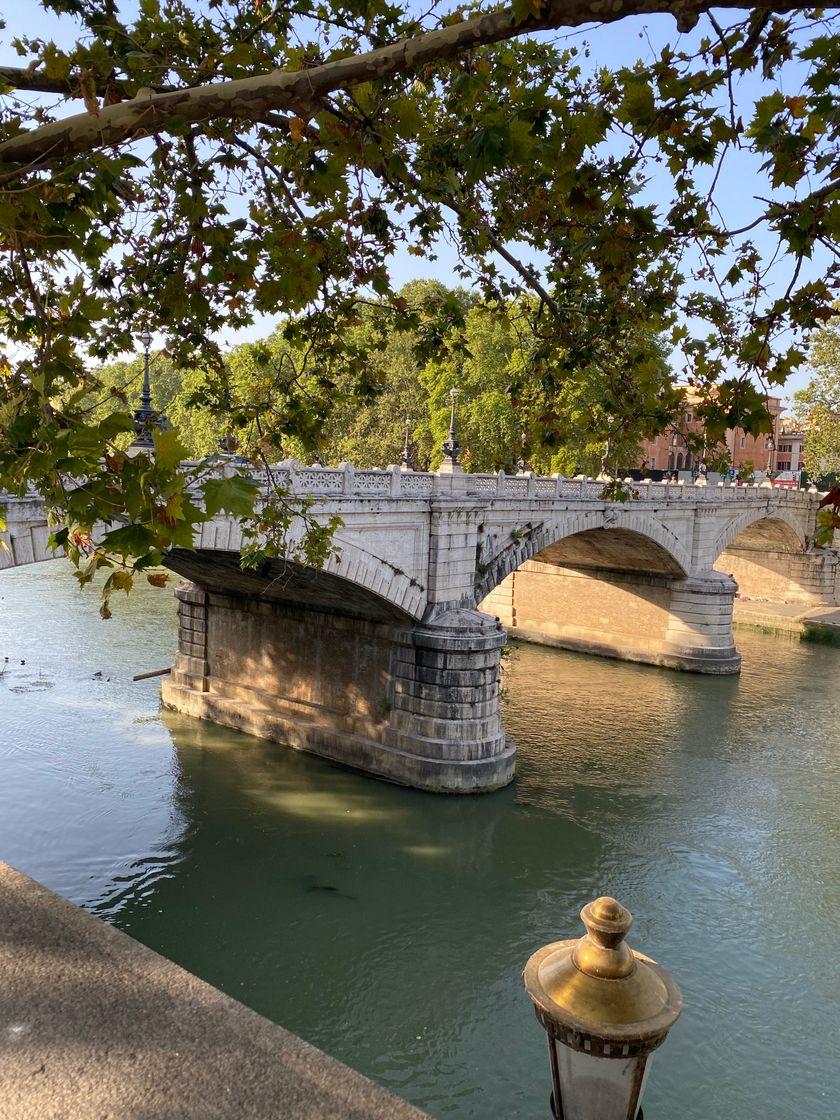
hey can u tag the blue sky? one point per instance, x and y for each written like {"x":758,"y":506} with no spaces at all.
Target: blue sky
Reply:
{"x":615,"y":45}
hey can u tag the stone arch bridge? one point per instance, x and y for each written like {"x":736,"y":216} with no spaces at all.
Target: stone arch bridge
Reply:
{"x":388,"y":658}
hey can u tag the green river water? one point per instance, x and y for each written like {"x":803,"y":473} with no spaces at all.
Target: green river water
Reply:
{"x":390,"y":927}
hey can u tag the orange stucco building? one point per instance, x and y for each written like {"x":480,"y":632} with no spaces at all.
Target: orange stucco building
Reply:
{"x":669,"y":451}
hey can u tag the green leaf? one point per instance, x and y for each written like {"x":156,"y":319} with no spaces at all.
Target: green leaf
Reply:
{"x":114,"y":425}
{"x":131,"y":540}
{"x":236,"y":495}
{"x":169,"y":451}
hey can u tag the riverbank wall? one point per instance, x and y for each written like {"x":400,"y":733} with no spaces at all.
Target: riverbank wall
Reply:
{"x":94,"y":1025}
{"x":809,"y":624}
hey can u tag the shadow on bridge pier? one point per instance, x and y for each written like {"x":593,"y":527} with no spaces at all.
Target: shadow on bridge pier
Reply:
{"x":326,"y":666}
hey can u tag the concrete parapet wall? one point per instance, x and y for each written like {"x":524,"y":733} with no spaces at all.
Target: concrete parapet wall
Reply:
{"x":95,"y":1025}
{"x":27,"y":532}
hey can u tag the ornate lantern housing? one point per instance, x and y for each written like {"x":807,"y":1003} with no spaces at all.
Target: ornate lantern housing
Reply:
{"x":605,"y":1008}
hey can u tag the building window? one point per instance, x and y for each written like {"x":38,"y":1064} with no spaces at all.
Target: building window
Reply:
{"x":783,"y":465}
{"x":674,"y":440}
{"x":743,"y":441}
{"x":788,"y":447}
{"x":688,"y":418}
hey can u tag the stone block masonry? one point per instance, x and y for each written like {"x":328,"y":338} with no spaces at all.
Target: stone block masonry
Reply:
{"x":412,"y":703}
{"x":658,"y":619}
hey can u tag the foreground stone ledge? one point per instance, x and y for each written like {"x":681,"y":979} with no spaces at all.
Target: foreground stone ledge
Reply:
{"x":94,"y":1026}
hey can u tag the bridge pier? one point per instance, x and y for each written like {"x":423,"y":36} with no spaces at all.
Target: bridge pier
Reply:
{"x":811,"y":578}
{"x":359,"y":683}
{"x":445,"y":717}
{"x":678,"y":622}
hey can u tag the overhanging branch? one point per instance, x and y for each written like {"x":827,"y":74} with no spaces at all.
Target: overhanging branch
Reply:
{"x":300,"y":91}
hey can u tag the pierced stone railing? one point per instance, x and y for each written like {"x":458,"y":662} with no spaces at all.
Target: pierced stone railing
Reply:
{"x":347,"y":481}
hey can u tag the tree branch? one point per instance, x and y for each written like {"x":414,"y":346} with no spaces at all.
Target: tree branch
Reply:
{"x":300,"y":91}
{"x":34,"y":81}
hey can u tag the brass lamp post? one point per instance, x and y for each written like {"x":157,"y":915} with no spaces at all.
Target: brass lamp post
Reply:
{"x":605,"y":1009}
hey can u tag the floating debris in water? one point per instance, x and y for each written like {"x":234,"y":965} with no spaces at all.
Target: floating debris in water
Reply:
{"x":311,"y":883}
{"x":38,"y":685}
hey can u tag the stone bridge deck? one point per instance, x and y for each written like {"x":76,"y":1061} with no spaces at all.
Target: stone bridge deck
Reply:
{"x":28,"y":532}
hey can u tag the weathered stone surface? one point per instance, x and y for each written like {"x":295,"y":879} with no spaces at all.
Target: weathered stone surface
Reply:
{"x":660,"y":619}
{"x":329,"y":684}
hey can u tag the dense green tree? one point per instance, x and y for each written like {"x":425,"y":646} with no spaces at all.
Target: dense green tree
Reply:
{"x":817,"y":407}
{"x":478,"y":362}
{"x":508,"y":415}
{"x":484,"y":351}
{"x":368,"y":429}
{"x":237,"y":159}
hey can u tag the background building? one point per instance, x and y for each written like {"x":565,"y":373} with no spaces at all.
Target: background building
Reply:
{"x":670,"y":450}
{"x":789,"y":447}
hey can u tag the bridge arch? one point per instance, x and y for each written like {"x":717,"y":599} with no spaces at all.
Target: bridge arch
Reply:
{"x":767,"y":555}
{"x":646,"y":543}
{"x":379,"y":576}
{"x":354,"y":583}
{"x":779,"y":530}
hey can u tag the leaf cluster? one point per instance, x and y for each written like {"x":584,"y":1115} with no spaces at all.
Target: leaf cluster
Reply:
{"x":236,"y":160}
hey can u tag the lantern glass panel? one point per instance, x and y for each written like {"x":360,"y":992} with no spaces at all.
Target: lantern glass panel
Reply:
{"x":604,"y":1087}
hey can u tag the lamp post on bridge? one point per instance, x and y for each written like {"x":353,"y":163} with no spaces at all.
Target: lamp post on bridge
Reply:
{"x":451,"y":446}
{"x":145,"y":417}
{"x":406,"y":461}
{"x":605,"y":1009}
{"x":522,"y":463}
{"x":605,"y":458}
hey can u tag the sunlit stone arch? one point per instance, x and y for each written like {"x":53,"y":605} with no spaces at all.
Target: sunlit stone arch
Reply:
{"x":733,"y":529}
{"x":572,"y":524}
{"x":379,"y":576}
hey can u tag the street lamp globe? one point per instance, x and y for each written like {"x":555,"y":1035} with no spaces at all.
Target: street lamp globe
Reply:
{"x":605,"y":1009}
{"x":145,"y":340}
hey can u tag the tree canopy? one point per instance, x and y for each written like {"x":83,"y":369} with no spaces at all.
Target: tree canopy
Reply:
{"x":457,"y":340}
{"x":817,"y":407}
{"x":243,"y":158}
